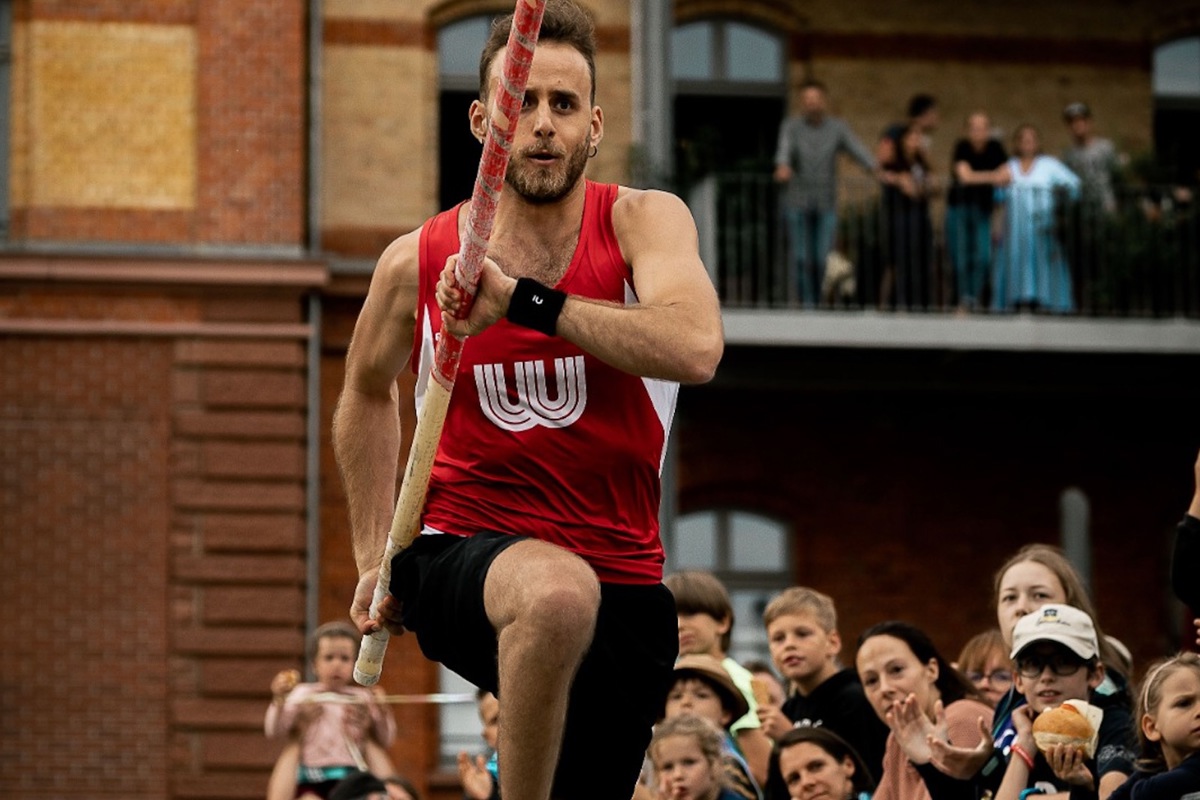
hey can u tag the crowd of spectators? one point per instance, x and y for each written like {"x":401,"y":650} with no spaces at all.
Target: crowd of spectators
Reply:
{"x":902,"y":721}
{"x":1023,"y":230}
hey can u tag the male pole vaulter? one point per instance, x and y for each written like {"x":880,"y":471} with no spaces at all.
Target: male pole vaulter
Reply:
{"x":538,"y":571}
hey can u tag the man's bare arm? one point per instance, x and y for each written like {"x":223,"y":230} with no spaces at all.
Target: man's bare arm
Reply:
{"x":366,"y":422}
{"x":672,"y":332}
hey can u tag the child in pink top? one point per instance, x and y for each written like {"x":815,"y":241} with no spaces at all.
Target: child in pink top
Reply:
{"x":333,"y":718}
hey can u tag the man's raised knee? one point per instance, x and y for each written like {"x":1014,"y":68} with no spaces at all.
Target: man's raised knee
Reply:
{"x":566,"y":602}
{"x":545,"y":588}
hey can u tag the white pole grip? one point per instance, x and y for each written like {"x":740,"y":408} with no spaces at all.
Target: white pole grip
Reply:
{"x":405,"y":522}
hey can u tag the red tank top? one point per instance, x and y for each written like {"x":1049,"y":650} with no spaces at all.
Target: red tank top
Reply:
{"x":541,"y":438}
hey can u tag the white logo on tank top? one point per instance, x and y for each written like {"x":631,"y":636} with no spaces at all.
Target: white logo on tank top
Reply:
{"x":534,"y":405}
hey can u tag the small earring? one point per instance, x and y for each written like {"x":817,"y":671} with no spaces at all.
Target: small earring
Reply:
{"x":595,"y":149}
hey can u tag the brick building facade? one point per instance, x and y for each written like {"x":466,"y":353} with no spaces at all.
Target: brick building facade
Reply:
{"x":196,"y":191}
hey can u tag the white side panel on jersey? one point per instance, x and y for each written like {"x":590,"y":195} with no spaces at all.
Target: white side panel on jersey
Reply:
{"x":424,"y":361}
{"x":662,"y":394}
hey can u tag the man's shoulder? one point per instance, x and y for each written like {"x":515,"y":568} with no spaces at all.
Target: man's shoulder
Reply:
{"x":402,"y":254}
{"x":633,"y":195}
{"x":646,"y":206}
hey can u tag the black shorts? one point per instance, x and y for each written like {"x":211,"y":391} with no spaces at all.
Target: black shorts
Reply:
{"x":619,"y":691}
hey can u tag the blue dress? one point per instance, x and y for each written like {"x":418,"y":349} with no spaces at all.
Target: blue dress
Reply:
{"x":1030,"y":269}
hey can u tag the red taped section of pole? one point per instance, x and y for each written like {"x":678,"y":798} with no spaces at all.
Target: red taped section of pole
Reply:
{"x":508,"y":96}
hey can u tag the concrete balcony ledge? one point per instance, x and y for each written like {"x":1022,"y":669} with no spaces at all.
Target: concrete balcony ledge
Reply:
{"x":936,"y":331}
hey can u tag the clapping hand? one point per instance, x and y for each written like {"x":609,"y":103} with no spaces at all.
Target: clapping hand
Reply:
{"x":474,"y":776}
{"x":959,"y":762}
{"x":911,"y":729}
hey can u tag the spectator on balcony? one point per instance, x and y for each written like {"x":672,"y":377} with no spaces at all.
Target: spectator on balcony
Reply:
{"x":923,"y":114}
{"x":806,"y":161}
{"x":1093,"y":158}
{"x":1031,"y":271}
{"x":976,"y":171}
{"x":908,"y":184}
{"x":1085,"y":224}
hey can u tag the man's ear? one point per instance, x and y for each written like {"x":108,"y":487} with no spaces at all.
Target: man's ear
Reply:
{"x":477,"y":119}
{"x":597,"y":127}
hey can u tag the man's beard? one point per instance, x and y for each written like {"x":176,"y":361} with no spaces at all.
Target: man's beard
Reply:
{"x":541,"y":185}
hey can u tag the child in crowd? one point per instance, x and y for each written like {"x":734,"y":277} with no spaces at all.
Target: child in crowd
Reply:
{"x":921,"y":698}
{"x":703,"y":687}
{"x":480,"y":777}
{"x":817,"y":764}
{"x":705,"y":627}
{"x":802,"y":635}
{"x":1036,"y":575}
{"x":984,"y":661}
{"x":333,"y":719}
{"x":1168,"y":714}
{"x":1056,"y":651}
{"x":686,"y":754}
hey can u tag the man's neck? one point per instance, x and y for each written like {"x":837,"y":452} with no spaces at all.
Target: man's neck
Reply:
{"x":518,"y":217}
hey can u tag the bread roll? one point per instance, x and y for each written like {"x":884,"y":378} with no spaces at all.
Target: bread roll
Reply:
{"x":1067,"y":725}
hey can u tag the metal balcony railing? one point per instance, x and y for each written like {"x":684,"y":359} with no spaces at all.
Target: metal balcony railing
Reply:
{"x":1041,"y":251}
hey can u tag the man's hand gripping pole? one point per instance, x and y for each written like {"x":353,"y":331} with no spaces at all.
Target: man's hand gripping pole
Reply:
{"x":507,"y":99}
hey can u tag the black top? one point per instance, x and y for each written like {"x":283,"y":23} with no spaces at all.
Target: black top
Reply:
{"x":1185,"y":563}
{"x":980,"y":196}
{"x":840,"y":705}
{"x":1170,"y":785}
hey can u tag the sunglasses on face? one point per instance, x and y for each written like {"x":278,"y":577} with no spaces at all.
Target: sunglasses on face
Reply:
{"x":1061,"y":665}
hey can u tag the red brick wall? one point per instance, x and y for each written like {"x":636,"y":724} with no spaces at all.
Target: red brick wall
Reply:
{"x":84,"y":451}
{"x":152,"y":510}
{"x":251,"y":128}
{"x":251,"y":102}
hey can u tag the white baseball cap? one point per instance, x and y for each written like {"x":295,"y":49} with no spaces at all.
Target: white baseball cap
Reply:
{"x":1055,"y":622}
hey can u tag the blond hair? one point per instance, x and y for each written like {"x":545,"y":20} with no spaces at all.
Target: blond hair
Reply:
{"x":709,"y":738}
{"x":802,"y":600}
{"x":1148,"y":700}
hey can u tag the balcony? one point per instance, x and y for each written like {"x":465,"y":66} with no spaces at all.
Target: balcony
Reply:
{"x":1121,"y":275}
